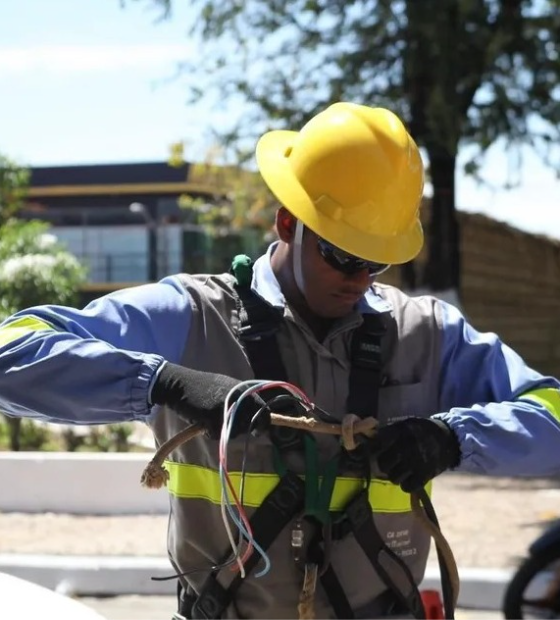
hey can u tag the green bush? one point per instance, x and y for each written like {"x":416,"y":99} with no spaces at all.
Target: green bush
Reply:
{"x":33,"y":436}
{"x":39,"y":437}
{"x":72,"y":441}
{"x":120,"y":435}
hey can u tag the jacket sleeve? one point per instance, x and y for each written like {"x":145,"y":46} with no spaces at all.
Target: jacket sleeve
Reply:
{"x":96,"y":365}
{"x":506,"y":415}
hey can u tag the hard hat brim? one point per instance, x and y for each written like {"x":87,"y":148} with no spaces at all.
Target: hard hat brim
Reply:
{"x":273,"y":162}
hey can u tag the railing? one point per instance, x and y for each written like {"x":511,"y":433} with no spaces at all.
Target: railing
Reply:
{"x":198,"y":254}
{"x":127,"y":266}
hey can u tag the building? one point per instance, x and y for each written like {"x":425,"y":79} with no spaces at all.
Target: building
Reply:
{"x":124,"y":222}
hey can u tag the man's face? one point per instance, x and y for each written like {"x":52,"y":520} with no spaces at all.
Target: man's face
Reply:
{"x":334,"y":281}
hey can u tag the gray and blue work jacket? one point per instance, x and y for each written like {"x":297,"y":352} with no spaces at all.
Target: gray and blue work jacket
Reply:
{"x":97,"y":365}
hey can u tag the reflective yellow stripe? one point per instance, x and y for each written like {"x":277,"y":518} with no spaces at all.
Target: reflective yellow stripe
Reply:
{"x":549,"y":398}
{"x":22,"y":327}
{"x":195,"y":482}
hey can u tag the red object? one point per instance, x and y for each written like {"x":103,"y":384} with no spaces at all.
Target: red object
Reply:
{"x":433,"y":605}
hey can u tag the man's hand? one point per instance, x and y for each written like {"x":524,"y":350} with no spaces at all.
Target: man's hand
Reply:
{"x":199,"y":397}
{"x":413,"y":451}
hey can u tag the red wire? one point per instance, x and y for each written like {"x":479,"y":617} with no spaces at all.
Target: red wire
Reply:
{"x":238,"y":505}
{"x":222,"y":458}
{"x":289,"y":386}
{"x":244,"y":518}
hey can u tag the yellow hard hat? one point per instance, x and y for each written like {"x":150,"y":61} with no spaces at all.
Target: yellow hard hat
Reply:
{"x":354,"y":176}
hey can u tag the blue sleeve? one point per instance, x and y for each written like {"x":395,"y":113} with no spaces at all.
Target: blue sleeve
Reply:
{"x":485,"y":398}
{"x":96,"y":365}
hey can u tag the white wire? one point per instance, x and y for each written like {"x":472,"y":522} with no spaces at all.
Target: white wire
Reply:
{"x":224,"y":438}
{"x":251,"y":386}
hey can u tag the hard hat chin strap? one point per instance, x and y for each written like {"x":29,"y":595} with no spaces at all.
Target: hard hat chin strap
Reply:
{"x":298,"y":271}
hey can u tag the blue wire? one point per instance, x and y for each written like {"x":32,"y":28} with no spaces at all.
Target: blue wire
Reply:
{"x":231,"y":510}
{"x":229,"y":506}
{"x":259,"y":549}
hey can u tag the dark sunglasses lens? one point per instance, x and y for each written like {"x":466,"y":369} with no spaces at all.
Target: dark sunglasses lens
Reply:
{"x":342,"y":261}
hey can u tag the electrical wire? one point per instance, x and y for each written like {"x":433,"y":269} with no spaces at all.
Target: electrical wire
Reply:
{"x":268,"y":406}
{"x":240,"y":519}
{"x":225,"y":504}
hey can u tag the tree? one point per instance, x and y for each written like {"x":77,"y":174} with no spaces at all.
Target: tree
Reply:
{"x":458,"y":71}
{"x":34,"y":267}
{"x":236,"y":216}
{"x":14,"y":181}
{"x":240,"y":201}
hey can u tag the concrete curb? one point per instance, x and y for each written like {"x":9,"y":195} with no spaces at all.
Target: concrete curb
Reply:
{"x":92,"y":575}
{"x":100,"y":484}
{"x":122,"y":575}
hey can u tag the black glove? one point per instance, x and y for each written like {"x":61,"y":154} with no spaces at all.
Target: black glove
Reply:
{"x":198,"y":397}
{"x":413,"y":451}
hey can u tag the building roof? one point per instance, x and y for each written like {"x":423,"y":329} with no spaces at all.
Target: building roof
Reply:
{"x":151,"y":172}
{"x":116,"y":179}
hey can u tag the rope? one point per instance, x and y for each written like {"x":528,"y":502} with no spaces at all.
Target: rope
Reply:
{"x":349,"y":430}
{"x":306,"y":605}
{"x":155,"y":476}
{"x":441,"y":544}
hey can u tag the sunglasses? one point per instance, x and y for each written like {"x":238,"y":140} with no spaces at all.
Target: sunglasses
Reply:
{"x":347,"y":263}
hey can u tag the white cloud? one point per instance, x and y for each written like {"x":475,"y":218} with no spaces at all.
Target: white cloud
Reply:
{"x":69,"y":59}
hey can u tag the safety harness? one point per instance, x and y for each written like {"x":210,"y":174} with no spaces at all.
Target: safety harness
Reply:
{"x":295,"y":499}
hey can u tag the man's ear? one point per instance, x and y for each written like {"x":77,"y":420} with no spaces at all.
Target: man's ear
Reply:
{"x":285,"y":225}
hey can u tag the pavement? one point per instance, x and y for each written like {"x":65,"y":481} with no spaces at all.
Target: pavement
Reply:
{"x":133,"y":607}
{"x":162,"y":607}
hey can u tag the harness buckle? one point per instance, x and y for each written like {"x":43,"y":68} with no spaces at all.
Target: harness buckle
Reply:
{"x":297,"y":542}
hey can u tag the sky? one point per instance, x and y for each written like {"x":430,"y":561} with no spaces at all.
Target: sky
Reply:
{"x":87,"y":81}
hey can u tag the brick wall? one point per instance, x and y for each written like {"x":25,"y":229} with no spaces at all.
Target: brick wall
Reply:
{"x":511,"y":286}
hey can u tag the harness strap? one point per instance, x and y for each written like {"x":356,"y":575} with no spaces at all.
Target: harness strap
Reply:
{"x":259,"y":323}
{"x":271,"y":517}
{"x":394,"y":573}
{"x":329,"y":580}
{"x":363,"y":385}
{"x":366,"y":367}
{"x":390,"y":601}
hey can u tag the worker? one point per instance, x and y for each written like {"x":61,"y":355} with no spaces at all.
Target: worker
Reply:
{"x":305,"y":330}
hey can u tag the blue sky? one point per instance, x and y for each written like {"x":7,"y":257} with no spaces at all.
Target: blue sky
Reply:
{"x":85,"y":81}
